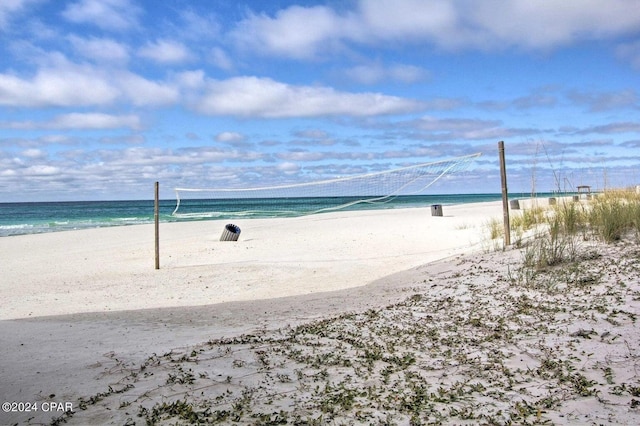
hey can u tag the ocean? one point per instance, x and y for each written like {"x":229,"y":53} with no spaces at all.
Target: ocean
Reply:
{"x":40,"y":217}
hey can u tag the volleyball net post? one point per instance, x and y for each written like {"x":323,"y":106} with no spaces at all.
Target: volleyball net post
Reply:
{"x":156,"y":220}
{"x":505,"y":195}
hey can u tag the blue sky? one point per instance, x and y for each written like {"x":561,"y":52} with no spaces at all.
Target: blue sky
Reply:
{"x":101,"y":98}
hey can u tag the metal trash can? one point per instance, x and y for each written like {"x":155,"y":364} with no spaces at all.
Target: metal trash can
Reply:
{"x":231,"y":233}
{"x":514,"y":204}
{"x":436,"y":210}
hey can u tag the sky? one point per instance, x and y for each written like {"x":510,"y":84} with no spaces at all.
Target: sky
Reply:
{"x":99,"y":99}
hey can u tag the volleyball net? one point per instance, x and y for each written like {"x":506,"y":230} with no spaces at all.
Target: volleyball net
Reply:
{"x":364,"y":190}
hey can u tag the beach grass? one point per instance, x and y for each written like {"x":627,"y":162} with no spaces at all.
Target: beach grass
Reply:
{"x":553,"y":232}
{"x":615,"y":213}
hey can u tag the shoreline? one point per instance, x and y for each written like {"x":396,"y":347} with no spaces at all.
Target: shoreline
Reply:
{"x":37,"y":218}
{"x":72,"y":215}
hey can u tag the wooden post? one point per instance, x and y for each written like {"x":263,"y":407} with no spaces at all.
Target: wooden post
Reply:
{"x":156,"y":217}
{"x":505,"y":195}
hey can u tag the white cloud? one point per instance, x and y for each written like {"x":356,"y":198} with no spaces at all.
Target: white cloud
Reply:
{"x":71,"y":86}
{"x":288,"y":168}
{"x":100,"y":49}
{"x":376,"y":73}
{"x":195,"y":26}
{"x":34,"y":153}
{"x":56,"y":139}
{"x":263,"y":97}
{"x":142,"y":91}
{"x":366,"y":74}
{"x":303,"y":33}
{"x":402,"y":19}
{"x":230,"y":137}
{"x":193,"y":80}
{"x":296,"y":31}
{"x":79,"y":121}
{"x":95,"y":121}
{"x":220,"y":59}
{"x":9,"y":8}
{"x":407,"y":73}
{"x":41,"y":170}
{"x":165,"y":51}
{"x":68,"y":84}
{"x":8,"y":173}
{"x":549,"y":24}
{"x":105,"y":14}
{"x":304,"y":156}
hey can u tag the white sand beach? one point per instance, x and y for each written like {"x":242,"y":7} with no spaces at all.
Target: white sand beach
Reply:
{"x":112,"y":269}
{"x":87,"y":321}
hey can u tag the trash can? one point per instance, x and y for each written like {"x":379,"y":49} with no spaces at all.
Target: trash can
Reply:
{"x":552,"y":201}
{"x":231,"y":233}
{"x":514,"y":204}
{"x":436,"y":210}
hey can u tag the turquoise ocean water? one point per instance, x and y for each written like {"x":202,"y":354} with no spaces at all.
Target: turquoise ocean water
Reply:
{"x":34,"y":218}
